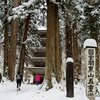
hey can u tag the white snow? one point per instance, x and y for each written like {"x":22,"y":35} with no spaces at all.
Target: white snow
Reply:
{"x":69,"y":60}
{"x":90,"y":43}
{"x":8,"y":91}
{"x":42,"y":28}
{"x":0,"y":23}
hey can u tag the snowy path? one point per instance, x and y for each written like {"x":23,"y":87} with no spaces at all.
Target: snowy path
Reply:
{"x":8,"y":91}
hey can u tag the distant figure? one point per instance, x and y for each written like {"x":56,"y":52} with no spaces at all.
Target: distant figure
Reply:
{"x":18,"y":80}
{"x":0,"y":77}
{"x":37,"y":78}
{"x":28,"y":78}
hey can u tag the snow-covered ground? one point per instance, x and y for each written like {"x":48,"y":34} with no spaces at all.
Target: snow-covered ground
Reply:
{"x":8,"y":91}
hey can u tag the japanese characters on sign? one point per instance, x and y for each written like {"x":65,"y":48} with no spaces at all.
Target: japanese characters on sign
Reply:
{"x":90,"y":83}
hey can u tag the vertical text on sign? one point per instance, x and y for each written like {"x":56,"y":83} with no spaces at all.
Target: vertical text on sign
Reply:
{"x":90,"y":71}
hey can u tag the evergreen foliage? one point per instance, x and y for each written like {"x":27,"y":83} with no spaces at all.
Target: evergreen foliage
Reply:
{"x":91,"y":22}
{"x":36,"y":9}
{"x":87,"y":16}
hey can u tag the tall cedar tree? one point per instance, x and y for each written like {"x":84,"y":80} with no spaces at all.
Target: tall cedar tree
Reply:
{"x":6,"y":40}
{"x":22,"y":52}
{"x":53,"y":53}
{"x":12,"y":45}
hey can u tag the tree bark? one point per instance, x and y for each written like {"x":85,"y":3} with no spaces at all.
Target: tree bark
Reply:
{"x":22,"y":52}
{"x":58,"y":60}
{"x":69,"y":40}
{"x":6,"y":41}
{"x":53,"y":54}
{"x":12,"y":46}
{"x":72,"y":49}
{"x":12,"y":50}
{"x":76,"y":51}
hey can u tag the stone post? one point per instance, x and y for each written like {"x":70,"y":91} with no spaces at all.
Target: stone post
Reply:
{"x":90,"y":62}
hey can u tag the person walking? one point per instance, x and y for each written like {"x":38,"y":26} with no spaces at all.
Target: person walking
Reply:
{"x":37,"y":78}
{"x":18,"y":80}
{"x":0,"y":77}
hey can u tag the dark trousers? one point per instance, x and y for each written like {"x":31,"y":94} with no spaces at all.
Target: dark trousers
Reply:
{"x":18,"y":83}
{"x":37,"y":82}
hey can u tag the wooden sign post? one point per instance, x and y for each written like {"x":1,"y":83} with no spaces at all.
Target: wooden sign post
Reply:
{"x":90,"y":60}
{"x":69,"y":78}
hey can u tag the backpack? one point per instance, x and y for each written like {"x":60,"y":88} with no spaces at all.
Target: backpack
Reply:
{"x":18,"y":77}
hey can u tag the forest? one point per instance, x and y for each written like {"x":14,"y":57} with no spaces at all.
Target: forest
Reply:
{"x":65,"y":25}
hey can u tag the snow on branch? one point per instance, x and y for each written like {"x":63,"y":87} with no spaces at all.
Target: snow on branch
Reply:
{"x":22,"y":10}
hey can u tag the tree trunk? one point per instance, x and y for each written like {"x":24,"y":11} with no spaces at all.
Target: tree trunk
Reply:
{"x":69,"y":40}
{"x":22,"y":52}
{"x":72,"y":49}
{"x":12,"y":49}
{"x":53,"y":54}
{"x":76,"y":51}
{"x":6,"y":41}
{"x":58,"y":59}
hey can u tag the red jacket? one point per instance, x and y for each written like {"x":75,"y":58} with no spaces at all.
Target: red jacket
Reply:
{"x":37,"y":77}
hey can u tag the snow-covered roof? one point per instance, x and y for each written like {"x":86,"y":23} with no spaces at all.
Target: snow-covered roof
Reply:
{"x":69,"y":60}
{"x":90,"y":43}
